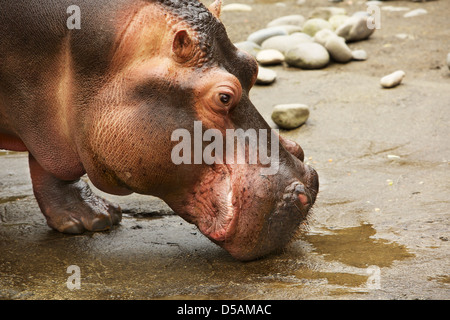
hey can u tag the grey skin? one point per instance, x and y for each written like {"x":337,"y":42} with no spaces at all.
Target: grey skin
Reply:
{"x":104,"y":100}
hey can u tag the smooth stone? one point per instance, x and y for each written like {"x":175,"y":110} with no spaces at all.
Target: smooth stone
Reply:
{"x":290,"y":116}
{"x":280,"y":4}
{"x":415,"y":13}
{"x":404,"y":36}
{"x":394,"y":9}
{"x":302,"y":36}
{"x":259,"y":36}
{"x":269,"y":57}
{"x":326,"y":12}
{"x":374,"y":2}
{"x":355,"y":29}
{"x":338,"y":49}
{"x":448,"y":60}
{"x":265,"y":76}
{"x":295,"y":20}
{"x":290,"y":28}
{"x":322,"y":36}
{"x":359,"y":55}
{"x":284,"y":43}
{"x":308,"y":55}
{"x":311,"y":26}
{"x":393,"y":79}
{"x":361,"y":14}
{"x":236,"y":7}
{"x":249,"y":47}
{"x":338,"y":20}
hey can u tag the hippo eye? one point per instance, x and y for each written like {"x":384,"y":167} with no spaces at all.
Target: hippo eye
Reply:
{"x":225,"y":98}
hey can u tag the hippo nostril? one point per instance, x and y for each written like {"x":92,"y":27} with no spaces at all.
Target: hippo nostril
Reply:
{"x":303,"y":199}
{"x":296,"y":194}
{"x":301,"y":195}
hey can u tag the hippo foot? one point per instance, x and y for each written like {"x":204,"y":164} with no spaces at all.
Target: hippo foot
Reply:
{"x":71,"y":206}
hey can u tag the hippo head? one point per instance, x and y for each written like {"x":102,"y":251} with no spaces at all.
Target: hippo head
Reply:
{"x":177,"y":85}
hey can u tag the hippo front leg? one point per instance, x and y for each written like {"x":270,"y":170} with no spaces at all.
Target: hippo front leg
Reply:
{"x":71,"y":206}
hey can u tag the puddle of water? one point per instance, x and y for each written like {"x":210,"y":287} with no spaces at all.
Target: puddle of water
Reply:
{"x":335,"y":278}
{"x":445,"y":279}
{"x":11,"y":199}
{"x":361,"y":253}
{"x":7,"y":152}
{"x":147,"y":215}
{"x":356,"y":247}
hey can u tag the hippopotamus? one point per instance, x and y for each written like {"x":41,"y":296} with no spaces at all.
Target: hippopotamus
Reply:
{"x":102,"y":95}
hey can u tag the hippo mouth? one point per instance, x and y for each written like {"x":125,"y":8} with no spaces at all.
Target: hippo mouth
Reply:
{"x":239,"y":208}
{"x":247,"y":213}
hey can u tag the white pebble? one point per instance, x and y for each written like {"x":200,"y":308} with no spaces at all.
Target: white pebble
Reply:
{"x":393,"y":79}
{"x":249,"y":47}
{"x":355,"y":29}
{"x":404,"y":36}
{"x":374,"y":2}
{"x":308,"y":55}
{"x":290,"y":116}
{"x":394,"y":9}
{"x":259,"y":36}
{"x":327,"y":12}
{"x":269,"y":57}
{"x":236,"y":7}
{"x":311,"y":26}
{"x":284,"y":43}
{"x":265,"y":76}
{"x":322,"y":36}
{"x":338,"y":49}
{"x":359,"y":55}
{"x":295,"y":20}
{"x":338,"y":20}
{"x":415,"y":13}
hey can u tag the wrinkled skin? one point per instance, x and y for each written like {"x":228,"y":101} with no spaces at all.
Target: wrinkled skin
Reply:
{"x":105,"y":99}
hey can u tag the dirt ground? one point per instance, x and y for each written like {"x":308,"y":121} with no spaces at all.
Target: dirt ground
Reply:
{"x":380,"y":227}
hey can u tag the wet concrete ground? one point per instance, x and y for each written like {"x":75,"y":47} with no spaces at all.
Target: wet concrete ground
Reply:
{"x":380,"y":226}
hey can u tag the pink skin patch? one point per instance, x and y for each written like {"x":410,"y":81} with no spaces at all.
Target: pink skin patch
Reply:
{"x":303,"y":199}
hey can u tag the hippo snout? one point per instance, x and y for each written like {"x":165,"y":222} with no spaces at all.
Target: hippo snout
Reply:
{"x":276,"y":222}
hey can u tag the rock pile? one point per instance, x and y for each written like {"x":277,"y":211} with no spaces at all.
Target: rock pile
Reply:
{"x":308,"y":43}
{"x":311,"y":43}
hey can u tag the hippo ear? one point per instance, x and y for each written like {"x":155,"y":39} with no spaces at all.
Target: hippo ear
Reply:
{"x":215,"y":8}
{"x":183,"y":47}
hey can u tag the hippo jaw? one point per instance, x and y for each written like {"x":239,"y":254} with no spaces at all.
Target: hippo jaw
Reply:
{"x":246,"y":213}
